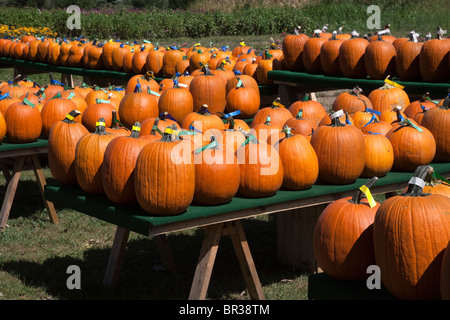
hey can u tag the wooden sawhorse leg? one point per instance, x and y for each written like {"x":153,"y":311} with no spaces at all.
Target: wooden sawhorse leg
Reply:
{"x":13,"y":182}
{"x":118,"y":249}
{"x":208,"y":254}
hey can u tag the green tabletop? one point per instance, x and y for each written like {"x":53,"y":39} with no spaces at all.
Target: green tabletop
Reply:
{"x":133,"y":218}
{"x":436,"y":90}
{"x":8,"y":146}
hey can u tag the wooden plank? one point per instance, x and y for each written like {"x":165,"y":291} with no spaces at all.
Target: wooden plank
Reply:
{"x":23,"y":152}
{"x":11,"y":192}
{"x":206,"y":261}
{"x":246,"y":262}
{"x":116,"y":256}
{"x":40,"y":178}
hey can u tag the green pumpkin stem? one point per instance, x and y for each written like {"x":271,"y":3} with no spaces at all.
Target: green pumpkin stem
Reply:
{"x":416,"y":189}
{"x":358,"y":196}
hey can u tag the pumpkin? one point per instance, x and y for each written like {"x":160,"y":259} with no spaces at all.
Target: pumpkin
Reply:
{"x":95,"y":94}
{"x":23,"y":122}
{"x":264,"y":66}
{"x":107,"y":52}
{"x":118,"y":166}
{"x":176,"y":101}
{"x":407,"y":61}
{"x":137,"y":106}
{"x":340,"y":149}
{"x":182,"y":65}
{"x":437,"y":186}
{"x":95,"y":57}
{"x":393,"y":115}
{"x":352,"y":58}
{"x":100,"y":109}
{"x":352,"y":101}
{"x":116,"y":127}
{"x":434,"y":61}
{"x":6,"y":101}
{"x":299,"y":159}
{"x":55,"y":109}
{"x":388,"y":96}
{"x":415,"y":107}
{"x":262,"y":131}
{"x":82,"y":90}
{"x":170,"y":59}
{"x":139,"y":61}
{"x":311,"y":54}
{"x":89,"y":154}
{"x":278,"y":113}
{"x":118,"y":55}
{"x":234,"y":135}
{"x":217,"y":174}
{"x":247,"y":81}
{"x":376,"y":126}
{"x":2,"y":127}
{"x":203,"y":120}
{"x":379,"y":58}
{"x":261,"y":170}
{"x":312,"y":110}
{"x":62,"y":142}
{"x":343,"y":118}
{"x":160,"y":161}
{"x":75,"y":57}
{"x":437,"y":121}
{"x":343,"y":236}
{"x":379,"y":156}
{"x":163,"y":121}
{"x":208,"y":89}
{"x":301,"y":125}
{"x":144,"y":80}
{"x":243,"y":98}
{"x":361,"y":118}
{"x":410,"y":232}
{"x":329,"y":56}
{"x":413,"y":145}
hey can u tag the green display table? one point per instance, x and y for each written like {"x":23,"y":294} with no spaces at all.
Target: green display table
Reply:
{"x":13,"y":157}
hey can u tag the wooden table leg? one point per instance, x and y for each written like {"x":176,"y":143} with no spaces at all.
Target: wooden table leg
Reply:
{"x":246,"y":263}
{"x":116,"y":256}
{"x":40,"y":178}
{"x":5,"y":171}
{"x":11,"y":191}
{"x":165,"y":253}
{"x":206,"y":260}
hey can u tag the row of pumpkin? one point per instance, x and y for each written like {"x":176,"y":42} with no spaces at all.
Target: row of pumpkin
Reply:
{"x":407,"y":237}
{"x":323,"y":52}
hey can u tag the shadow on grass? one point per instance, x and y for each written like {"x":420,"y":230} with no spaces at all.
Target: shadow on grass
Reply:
{"x":142,"y":275}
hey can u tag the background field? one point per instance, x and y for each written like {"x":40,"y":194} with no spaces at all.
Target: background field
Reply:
{"x":34,"y":254}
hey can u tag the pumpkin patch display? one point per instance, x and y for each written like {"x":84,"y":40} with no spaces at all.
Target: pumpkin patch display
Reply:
{"x":343,"y":235}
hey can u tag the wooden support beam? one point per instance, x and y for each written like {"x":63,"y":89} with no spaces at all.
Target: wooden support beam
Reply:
{"x":116,"y":256}
{"x":11,"y":191}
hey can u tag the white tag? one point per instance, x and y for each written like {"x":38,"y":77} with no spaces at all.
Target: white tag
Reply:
{"x":337,"y":114}
{"x":417,"y":181}
{"x":182,"y":85}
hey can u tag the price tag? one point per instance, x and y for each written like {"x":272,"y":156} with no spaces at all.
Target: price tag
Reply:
{"x":369,"y":196}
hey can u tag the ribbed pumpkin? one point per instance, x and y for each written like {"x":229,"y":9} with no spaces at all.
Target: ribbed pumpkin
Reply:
{"x":343,"y":237}
{"x":292,"y":48}
{"x":413,"y":146}
{"x":139,"y":61}
{"x":299,"y":159}
{"x":23,"y":122}
{"x":387,"y":97}
{"x":410,"y":232}
{"x":55,"y":109}
{"x":352,"y":101}
{"x":301,"y":125}
{"x":379,"y":156}
{"x":208,"y":89}
{"x":217,"y":174}
{"x":379,"y":58}
{"x":437,"y":120}
{"x":311,"y":54}
{"x":261,"y":169}
{"x":407,"y":61}
{"x":329,"y":56}
{"x":415,"y":107}
{"x":248,"y":81}
{"x":154,"y":61}
{"x":243,"y":98}
{"x":158,"y":163}
{"x":118,"y":55}
{"x":137,"y":106}
{"x":278,"y":113}
{"x":93,"y":112}
{"x":434,"y":61}
{"x":340,"y":149}
{"x":89,"y":155}
{"x":62,"y":142}
{"x":177,"y":101}
{"x":352,"y":56}
{"x":312,"y":110}
{"x":118,"y":166}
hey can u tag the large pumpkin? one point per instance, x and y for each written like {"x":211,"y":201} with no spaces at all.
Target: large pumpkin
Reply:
{"x":411,"y":231}
{"x":379,"y":156}
{"x":243,"y":98}
{"x":434,"y":61}
{"x":177,"y":101}
{"x":293,"y":51}
{"x":388,"y":96}
{"x":340,"y":150}
{"x":329,"y":56}
{"x":62,"y":142}
{"x":408,"y":61}
{"x":379,"y":58}
{"x":352,"y":56}
{"x":343,"y":236}
{"x":311,"y":54}
{"x":55,"y":110}
{"x":159,"y":162}
{"x":23,"y":122}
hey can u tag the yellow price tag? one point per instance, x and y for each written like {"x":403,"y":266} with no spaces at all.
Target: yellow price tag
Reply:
{"x":392,"y":83}
{"x":68,"y":116}
{"x":99,"y":124}
{"x":135,"y":128}
{"x":369,"y":196}
{"x":275,"y":103}
{"x":171,"y":131}
{"x":242,"y":43}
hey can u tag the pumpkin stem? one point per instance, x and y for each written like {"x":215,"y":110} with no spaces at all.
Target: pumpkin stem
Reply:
{"x":100,"y":127}
{"x":417,"y":182}
{"x":358,"y":196}
{"x":135,"y":130}
{"x":335,"y":121}
{"x":446,"y":104}
{"x":300,"y":114}
{"x":71,"y":116}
